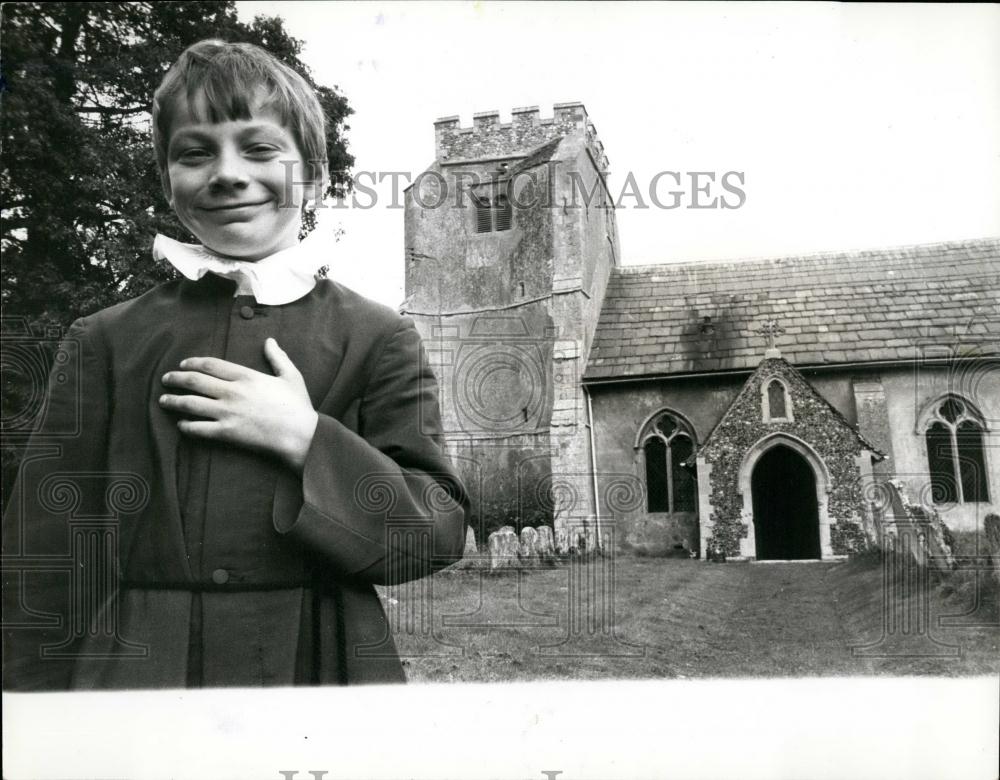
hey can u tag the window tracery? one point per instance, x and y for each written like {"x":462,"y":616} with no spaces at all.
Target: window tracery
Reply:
{"x":667,"y":444}
{"x":956,"y":462}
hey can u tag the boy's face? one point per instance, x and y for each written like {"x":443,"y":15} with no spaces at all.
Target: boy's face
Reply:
{"x":234,"y":184}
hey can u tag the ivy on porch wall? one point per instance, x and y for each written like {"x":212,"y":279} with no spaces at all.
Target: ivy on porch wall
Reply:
{"x":817,"y":423}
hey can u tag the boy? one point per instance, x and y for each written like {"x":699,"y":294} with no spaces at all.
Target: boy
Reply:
{"x":276,"y":436}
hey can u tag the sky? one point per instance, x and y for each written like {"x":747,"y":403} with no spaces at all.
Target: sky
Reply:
{"x":854,"y":127}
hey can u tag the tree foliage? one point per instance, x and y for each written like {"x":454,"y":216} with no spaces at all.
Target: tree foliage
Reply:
{"x":82,"y":198}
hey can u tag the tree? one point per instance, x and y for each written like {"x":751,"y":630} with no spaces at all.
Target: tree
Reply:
{"x":82,"y":198}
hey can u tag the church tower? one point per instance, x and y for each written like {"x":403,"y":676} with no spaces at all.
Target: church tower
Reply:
{"x":510,"y":239}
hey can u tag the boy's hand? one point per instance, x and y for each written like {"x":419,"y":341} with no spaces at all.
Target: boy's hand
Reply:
{"x":246,"y":407}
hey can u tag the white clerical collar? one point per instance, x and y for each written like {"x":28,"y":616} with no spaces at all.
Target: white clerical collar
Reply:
{"x":274,"y":280}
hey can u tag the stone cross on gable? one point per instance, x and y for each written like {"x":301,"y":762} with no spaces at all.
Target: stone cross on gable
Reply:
{"x":772,"y":330}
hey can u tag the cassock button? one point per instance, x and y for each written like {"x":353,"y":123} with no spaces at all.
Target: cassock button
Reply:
{"x":220,"y":576}
{"x":246,"y":312}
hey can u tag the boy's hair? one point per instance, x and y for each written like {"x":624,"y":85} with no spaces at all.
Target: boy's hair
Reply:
{"x":229,"y":76}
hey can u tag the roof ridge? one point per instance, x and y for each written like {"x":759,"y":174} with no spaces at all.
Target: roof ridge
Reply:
{"x":620,"y":288}
{"x":821,"y":255}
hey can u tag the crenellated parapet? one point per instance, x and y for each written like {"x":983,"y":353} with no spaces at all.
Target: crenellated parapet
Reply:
{"x":488,"y":138}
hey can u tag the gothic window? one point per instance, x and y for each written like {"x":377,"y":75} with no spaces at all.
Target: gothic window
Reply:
{"x":776,"y":398}
{"x":776,"y":402}
{"x":955,"y":457}
{"x":657,"y":490}
{"x":670,"y":485}
{"x":492,"y":213}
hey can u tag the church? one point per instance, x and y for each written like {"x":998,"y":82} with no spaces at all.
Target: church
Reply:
{"x":744,"y":410}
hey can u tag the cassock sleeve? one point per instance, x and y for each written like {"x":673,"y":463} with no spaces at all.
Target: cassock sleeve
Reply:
{"x":384,"y":505}
{"x":62,"y":477}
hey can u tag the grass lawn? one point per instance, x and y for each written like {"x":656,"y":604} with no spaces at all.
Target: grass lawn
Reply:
{"x":631,"y":617}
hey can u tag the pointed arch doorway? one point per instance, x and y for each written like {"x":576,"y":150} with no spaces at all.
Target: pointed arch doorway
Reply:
{"x":785,"y":506}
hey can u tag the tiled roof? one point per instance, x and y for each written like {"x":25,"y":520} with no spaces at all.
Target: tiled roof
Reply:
{"x":880,"y":305}
{"x":539,"y":155}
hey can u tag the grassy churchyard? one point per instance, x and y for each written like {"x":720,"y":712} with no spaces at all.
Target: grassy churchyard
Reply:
{"x":634,"y":617}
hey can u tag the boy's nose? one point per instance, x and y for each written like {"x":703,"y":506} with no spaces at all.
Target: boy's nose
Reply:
{"x":229,"y":171}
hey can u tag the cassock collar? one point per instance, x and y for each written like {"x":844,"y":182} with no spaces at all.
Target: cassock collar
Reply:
{"x":274,"y":280}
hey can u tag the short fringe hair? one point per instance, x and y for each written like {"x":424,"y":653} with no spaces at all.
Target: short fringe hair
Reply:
{"x":229,"y":76}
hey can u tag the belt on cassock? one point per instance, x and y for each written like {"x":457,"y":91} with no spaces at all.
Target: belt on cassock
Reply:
{"x":215,"y":587}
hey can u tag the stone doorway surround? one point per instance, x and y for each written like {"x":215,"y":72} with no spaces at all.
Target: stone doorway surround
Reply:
{"x":748,"y":545}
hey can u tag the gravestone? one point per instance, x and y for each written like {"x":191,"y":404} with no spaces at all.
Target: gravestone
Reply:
{"x":471,"y":551}
{"x":546,"y":543}
{"x":562,"y":540}
{"x":504,"y":548}
{"x":529,"y":545}
{"x":580,"y":539}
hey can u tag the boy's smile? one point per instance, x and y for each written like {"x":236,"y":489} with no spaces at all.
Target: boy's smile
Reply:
{"x":235,"y":184}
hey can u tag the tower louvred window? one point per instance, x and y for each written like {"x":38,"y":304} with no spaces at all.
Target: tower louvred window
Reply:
{"x":493,"y":213}
{"x":502,"y":212}
{"x":484,"y":215}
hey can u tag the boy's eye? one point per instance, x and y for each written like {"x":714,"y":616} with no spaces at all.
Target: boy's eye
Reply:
{"x":261,"y":149}
{"x":193,"y":155}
